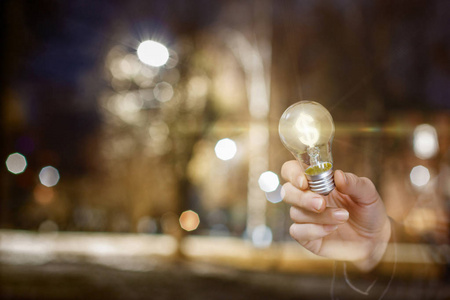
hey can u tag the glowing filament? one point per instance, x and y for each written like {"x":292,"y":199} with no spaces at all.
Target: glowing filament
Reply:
{"x":308,"y":133}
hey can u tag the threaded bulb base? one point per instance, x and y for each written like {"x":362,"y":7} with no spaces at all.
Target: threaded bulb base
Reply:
{"x":322,"y":183}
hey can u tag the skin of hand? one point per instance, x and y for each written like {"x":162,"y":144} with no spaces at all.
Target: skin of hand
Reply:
{"x":348,"y":224}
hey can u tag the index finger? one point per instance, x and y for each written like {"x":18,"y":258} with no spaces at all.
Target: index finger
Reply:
{"x":292,"y":171}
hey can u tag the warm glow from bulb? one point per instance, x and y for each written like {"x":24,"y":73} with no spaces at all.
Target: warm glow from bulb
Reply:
{"x":308,"y":133}
{"x":153,"y":53}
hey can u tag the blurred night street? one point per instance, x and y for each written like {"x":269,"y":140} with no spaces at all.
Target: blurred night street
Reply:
{"x":142,"y":145}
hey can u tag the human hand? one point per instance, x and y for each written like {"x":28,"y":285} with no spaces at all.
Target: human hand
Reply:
{"x":348,"y":224}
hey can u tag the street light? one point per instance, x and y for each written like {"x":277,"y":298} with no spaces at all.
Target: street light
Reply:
{"x":153,"y":53}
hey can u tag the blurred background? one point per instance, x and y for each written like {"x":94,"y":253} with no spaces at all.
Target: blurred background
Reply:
{"x":140,"y":150}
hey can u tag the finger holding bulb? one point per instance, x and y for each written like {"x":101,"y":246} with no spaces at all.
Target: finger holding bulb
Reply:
{"x":327,"y":231}
{"x":312,"y":218}
{"x":330,"y":216}
{"x":296,"y":191}
{"x":305,"y":200}
{"x":292,"y":172}
{"x":309,"y":212}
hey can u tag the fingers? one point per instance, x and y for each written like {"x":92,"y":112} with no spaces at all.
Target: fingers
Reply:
{"x":312,"y":219}
{"x":330,"y":216}
{"x":303,"y":199}
{"x":294,"y":190}
{"x":292,"y":172}
{"x":309,"y":232}
{"x":360,"y":189}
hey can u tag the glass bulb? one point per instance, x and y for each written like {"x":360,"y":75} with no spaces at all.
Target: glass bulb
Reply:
{"x":306,"y":129}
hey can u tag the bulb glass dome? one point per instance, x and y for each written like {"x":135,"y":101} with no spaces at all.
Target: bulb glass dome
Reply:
{"x":306,"y":129}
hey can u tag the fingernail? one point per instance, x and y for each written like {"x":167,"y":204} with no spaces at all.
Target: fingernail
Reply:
{"x":329,"y":228}
{"x":300,"y":181}
{"x":340,"y":215}
{"x":345,"y":177}
{"x":318,"y":203}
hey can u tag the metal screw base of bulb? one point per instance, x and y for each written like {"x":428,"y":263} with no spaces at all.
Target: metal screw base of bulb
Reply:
{"x":322,"y":183}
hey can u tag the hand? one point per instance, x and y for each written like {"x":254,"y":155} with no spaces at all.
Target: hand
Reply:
{"x":349,"y":224}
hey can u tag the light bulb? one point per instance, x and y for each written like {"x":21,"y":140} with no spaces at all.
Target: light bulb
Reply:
{"x":306,"y":129}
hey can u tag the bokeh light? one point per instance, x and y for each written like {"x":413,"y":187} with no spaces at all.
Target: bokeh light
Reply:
{"x":225,"y":149}
{"x":419,"y":176}
{"x":130,"y":65}
{"x":262,"y":236}
{"x":163,"y":91}
{"x":421,"y":220}
{"x":172,"y":61}
{"x":197,"y":87}
{"x":189,"y":220}
{"x":275,"y":196}
{"x":147,"y":224}
{"x":16,"y":163}
{"x":159,"y":131}
{"x":153,"y":53}
{"x":425,"y":141}
{"x":115,"y":67}
{"x":169,"y":223}
{"x":128,"y":103}
{"x":43,"y":195}
{"x":48,"y":226}
{"x":268,"y":181}
{"x":49,"y":176}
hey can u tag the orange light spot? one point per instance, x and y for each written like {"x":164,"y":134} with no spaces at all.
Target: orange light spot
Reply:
{"x":43,"y":195}
{"x":189,"y":220}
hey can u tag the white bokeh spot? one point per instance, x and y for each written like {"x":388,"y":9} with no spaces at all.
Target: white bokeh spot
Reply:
{"x":49,"y":176}
{"x":225,"y":149}
{"x":268,"y":181}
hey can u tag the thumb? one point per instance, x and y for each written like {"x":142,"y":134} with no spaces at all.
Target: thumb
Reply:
{"x":360,"y":189}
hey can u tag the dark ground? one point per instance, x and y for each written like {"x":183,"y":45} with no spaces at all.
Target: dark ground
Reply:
{"x":182,"y":280}
{"x":174,"y":281}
